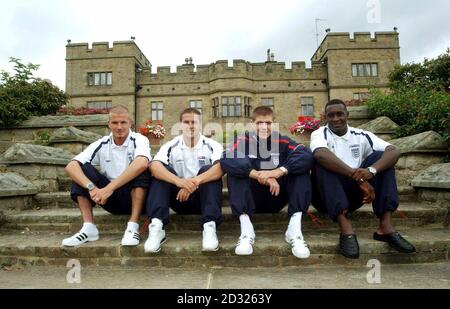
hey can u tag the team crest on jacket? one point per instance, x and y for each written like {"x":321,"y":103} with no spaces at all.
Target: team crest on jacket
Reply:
{"x":355,"y":151}
{"x":275,"y":159}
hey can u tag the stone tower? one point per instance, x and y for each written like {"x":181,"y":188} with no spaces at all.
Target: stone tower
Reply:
{"x":102,"y":75}
{"x":355,"y":64}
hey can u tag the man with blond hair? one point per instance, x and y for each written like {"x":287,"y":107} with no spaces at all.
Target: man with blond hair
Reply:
{"x":112,"y":173}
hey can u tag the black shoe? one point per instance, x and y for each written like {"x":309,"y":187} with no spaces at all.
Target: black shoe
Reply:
{"x":349,"y":246}
{"x":396,"y":241}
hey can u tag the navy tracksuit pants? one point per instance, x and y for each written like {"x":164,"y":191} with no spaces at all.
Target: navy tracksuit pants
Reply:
{"x":249,"y":196}
{"x":335,"y":194}
{"x":206,"y":200}
{"x":119,"y":203}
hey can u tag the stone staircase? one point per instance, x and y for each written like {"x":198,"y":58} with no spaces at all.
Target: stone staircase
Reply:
{"x":33,"y":237}
{"x":36,"y":213}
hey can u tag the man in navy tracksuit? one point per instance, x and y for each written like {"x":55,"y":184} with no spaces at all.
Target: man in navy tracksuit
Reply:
{"x":265,"y":172}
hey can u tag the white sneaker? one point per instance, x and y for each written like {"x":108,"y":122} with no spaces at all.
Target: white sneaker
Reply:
{"x":299,"y":247}
{"x":79,"y":239}
{"x":156,"y":237}
{"x":131,"y":238}
{"x":210,"y":241}
{"x":244,"y":245}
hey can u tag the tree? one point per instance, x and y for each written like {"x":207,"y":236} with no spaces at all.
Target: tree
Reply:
{"x":431,"y":74}
{"x":22,"y":95}
{"x":419,"y":99}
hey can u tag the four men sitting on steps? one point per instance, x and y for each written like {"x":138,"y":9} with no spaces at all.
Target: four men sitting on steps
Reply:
{"x":265,"y":171}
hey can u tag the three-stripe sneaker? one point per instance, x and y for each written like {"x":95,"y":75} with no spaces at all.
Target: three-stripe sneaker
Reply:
{"x":156,"y":236}
{"x":131,"y":238}
{"x":298,"y":245}
{"x":80,"y":238}
{"x":245,"y":245}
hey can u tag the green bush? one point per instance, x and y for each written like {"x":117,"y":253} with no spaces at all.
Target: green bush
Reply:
{"x":23,"y":95}
{"x":415,"y":110}
{"x":432,"y":74}
{"x":419,"y":100}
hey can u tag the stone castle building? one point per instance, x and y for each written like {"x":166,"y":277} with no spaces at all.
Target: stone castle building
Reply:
{"x":342,"y":67}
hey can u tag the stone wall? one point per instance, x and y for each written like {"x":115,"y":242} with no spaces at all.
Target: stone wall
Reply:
{"x":383,"y":127}
{"x":37,"y":130}
{"x":16,"y":192}
{"x":419,"y":152}
{"x":433,"y":184}
{"x":42,"y":166}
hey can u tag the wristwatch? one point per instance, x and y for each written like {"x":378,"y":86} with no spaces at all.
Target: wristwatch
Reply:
{"x":284,"y":170}
{"x":372,"y":170}
{"x":90,"y":186}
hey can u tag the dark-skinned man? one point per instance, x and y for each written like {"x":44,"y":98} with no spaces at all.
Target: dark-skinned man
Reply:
{"x":354,"y":167}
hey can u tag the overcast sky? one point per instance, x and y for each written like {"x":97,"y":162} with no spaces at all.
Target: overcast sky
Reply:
{"x":168,"y":31}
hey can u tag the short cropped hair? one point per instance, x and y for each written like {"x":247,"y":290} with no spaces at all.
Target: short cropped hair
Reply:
{"x":119,"y":109}
{"x":335,"y":102}
{"x":262,"y":111}
{"x":190,"y":110}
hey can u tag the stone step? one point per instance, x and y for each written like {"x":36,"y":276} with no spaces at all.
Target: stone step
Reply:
{"x":68,"y":220}
{"x":407,"y":194}
{"x":53,"y":200}
{"x":184,"y":250}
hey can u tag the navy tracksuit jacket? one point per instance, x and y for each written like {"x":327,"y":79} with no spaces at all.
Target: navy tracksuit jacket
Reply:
{"x":250,"y":152}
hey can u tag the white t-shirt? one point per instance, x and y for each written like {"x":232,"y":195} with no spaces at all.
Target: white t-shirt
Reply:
{"x":187,"y":161}
{"x":112,"y":160}
{"x":352,"y":148}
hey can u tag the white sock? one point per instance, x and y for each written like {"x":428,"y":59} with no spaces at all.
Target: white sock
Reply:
{"x":210,"y":223}
{"x":295,"y":225}
{"x":132,"y":226}
{"x":89,"y":228}
{"x":157,"y":223}
{"x":246,"y":225}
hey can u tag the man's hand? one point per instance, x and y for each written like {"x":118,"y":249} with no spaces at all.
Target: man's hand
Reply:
{"x":274,"y":186}
{"x":100,"y":196}
{"x":361,"y":174}
{"x":189,"y":184}
{"x":368,"y":192}
{"x":183,"y":195}
{"x":263,"y":176}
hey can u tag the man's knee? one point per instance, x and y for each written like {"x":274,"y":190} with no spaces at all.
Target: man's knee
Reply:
{"x":143,"y":180}
{"x":170,"y":169}
{"x":88,"y":169}
{"x":301,"y":178}
{"x":372,"y":158}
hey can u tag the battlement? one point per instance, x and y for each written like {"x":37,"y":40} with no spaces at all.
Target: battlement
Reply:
{"x":360,"y":40}
{"x":99,"y":50}
{"x":270,"y":70}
